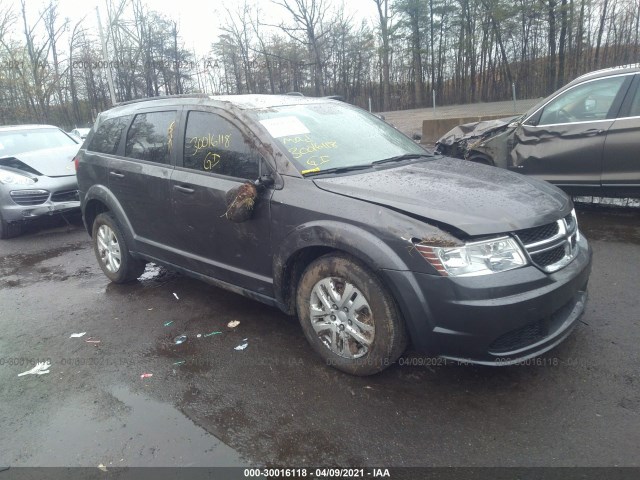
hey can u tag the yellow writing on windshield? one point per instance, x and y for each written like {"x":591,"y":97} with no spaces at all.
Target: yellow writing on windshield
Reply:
{"x":316,"y":161}
{"x":296,"y":139}
{"x":312,"y":147}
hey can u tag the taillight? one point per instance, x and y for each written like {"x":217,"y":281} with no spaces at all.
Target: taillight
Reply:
{"x":75,"y":162}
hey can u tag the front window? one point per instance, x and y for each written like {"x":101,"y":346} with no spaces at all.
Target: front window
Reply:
{"x":586,"y":102}
{"x":324,"y":136}
{"x":214,"y":145}
{"x":14,"y":142}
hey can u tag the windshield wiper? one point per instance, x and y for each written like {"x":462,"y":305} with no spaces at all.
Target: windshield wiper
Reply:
{"x":311,"y":173}
{"x":399,"y":158}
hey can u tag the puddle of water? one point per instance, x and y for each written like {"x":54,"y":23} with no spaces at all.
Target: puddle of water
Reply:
{"x":141,"y":431}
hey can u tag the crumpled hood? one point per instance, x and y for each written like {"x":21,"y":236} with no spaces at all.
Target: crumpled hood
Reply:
{"x":52,"y":162}
{"x":473,"y":130}
{"x":477,"y":199}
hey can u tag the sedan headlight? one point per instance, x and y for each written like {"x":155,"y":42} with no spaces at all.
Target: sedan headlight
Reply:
{"x":10,"y":178}
{"x":476,"y":258}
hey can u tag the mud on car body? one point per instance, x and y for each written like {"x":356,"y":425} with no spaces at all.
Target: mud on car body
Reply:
{"x":584,"y":138}
{"x":37,"y":176}
{"x":330,"y":214}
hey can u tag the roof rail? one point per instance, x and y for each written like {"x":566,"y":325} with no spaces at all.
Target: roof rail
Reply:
{"x":163,"y":97}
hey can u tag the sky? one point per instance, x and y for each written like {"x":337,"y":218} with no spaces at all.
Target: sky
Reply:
{"x":198,"y":20}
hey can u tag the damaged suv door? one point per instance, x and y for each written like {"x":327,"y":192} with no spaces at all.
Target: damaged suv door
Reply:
{"x":563,"y":141}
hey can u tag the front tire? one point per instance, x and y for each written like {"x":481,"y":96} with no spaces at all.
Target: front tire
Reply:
{"x":348,"y":316}
{"x":112,"y":251}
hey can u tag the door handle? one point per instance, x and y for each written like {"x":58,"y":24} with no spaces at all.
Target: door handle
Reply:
{"x":593,"y":132}
{"x":184,"y":189}
{"x":116,"y":174}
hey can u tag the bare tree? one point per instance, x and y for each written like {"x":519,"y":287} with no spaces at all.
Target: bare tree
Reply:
{"x":309,"y":17}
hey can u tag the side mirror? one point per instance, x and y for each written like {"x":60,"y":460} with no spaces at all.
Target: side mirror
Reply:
{"x":264,"y":181}
{"x":240,"y":202}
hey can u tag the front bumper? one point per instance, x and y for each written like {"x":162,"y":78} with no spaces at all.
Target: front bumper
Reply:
{"x":497,"y":319}
{"x":59,"y":199}
{"x":18,"y":213}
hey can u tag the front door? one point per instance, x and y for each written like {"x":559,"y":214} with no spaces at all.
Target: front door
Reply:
{"x":621,"y":160}
{"x":217,"y":157}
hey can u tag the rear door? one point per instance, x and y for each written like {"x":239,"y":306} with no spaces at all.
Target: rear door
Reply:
{"x":621,"y":160}
{"x":219,"y":154}
{"x":563,"y":142}
{"x":139,"y":177}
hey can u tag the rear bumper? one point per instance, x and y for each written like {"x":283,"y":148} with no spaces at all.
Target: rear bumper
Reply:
{"x":497,"y":319}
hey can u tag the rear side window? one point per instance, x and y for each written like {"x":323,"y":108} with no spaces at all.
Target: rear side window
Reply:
{"x":213,"y":144}
{"x":150,"y":137}
{"x":107,"y":137}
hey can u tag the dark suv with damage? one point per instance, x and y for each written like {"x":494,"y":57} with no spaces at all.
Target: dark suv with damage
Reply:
{"x":330,"y":214}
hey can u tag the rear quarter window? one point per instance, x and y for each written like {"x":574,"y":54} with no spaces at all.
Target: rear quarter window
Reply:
{"x":107,"y":137}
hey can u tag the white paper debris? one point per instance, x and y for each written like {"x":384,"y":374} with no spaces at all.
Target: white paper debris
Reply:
{"x":78,"y":335}
{"x":40,"y":369}
{"x":284,"y":126}
{"x":176,"y":295}
{"x":102,"y":467}
{"x":233,"y":323}
{"x":242,"y":347}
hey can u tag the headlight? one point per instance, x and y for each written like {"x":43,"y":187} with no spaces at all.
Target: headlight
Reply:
{"x":10,"y":178}
{"x":476,"y":258}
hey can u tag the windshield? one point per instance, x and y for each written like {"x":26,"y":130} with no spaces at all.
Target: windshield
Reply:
{"x":329,"y":135}
{"x":14,"y":142}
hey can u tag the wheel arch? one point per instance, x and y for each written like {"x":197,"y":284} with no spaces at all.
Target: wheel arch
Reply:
{"x":99,"y":199}
{"x":313,"y":240}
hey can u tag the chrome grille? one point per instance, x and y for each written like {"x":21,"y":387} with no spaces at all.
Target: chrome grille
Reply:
{"x":552,"y":246}
{"x":29,"y":197}
{"x":65,"y":196}
{"x":536,"y":234}
{"x":549,"y":257}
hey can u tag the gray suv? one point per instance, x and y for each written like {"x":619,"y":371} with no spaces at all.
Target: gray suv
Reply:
{"x":328,"y":213}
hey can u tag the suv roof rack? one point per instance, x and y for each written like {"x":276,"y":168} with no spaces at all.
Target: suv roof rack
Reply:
{"x":162,"y":97}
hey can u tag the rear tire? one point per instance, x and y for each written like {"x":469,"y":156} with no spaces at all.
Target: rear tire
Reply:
{"x":112,"y":251}
{"x":348,"y":315}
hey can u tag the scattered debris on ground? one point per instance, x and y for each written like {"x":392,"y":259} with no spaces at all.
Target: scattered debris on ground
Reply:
{"x":212,"y":333}
{"x":243,"y":345}
{"x":166,"y":324}
{"x":233,"y":323}
{"x":180,"y":339}
{"x":176,"y":295}
{"x":40,"y":369}
{"x":78,"y":335}
{"x":146,"y":375}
